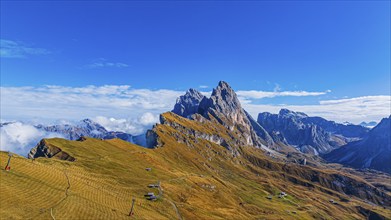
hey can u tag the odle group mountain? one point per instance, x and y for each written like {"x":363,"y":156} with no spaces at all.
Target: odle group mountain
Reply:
{"x":224,"y":106}
{"x":209,"y":160}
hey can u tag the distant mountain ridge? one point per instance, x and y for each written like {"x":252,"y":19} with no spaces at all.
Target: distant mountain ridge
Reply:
{"x":373,"y":151}
{"x":89,"y":128}
{"x":370,"y":124}
{"x":314,"y":135}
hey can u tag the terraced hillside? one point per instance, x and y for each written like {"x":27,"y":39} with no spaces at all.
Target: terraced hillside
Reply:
{"x":199,"y":179}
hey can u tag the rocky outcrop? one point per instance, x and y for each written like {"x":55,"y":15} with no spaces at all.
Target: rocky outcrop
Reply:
{"x":151,"y":138}
{"x":301,"y":131}
{"x":44,"y":149}
{"x":187,"y":105}
{"x":373,"y":151}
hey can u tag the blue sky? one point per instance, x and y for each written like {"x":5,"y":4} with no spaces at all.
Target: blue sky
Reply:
{"x":337,"y":50}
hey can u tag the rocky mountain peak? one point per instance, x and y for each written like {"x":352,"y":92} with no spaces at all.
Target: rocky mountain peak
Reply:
{"x":384,"y":125}
{"x":187,"y":105}
{"x":223,"y":100}
{"x":194,"y":93}
{"x":88,"y":121}
{"x":91,"y":125}
{"x":224,"y":107}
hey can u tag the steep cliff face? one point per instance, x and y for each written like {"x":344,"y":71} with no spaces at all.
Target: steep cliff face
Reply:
{"x":373,"y":151}
{"x":151,"y":138}
{"x":44,"y":149}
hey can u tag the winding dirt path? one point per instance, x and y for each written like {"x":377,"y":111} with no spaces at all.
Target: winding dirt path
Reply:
{"x":63,"y":199}
{"x":176,"y":209}
{"x":171,"y":202}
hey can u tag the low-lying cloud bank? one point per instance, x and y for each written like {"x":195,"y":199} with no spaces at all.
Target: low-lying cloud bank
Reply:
{"x":132,"y":126}
{"x":19,"y":137}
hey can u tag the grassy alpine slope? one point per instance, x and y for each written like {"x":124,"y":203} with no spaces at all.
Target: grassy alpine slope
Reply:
{"x":199,"y":180}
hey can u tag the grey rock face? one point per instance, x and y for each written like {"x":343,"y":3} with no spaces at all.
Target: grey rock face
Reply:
{"x":373,"y":151}
{"x":187,"y":104}
{"x":151,"y":139}
{"x":295,"y":129}
{"x":43,"y":149}
{"x":225,"y":107}
{"x":223,"y":100}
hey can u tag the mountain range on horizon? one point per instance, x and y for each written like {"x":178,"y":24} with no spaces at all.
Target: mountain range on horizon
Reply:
{"x":207,"y":149}
{"x":283,"y":132}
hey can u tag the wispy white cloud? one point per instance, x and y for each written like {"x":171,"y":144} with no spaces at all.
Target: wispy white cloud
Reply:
{"x":73,"y":103}
{"x":102,"y":63}
{"x":203,"y":86}
{"x":253,"y":94}
{"x":14,"y":49}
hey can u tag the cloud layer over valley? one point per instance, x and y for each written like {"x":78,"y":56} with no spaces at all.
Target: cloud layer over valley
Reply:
{"x":19,"y":137}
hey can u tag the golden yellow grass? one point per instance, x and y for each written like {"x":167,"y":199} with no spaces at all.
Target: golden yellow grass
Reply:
{"x":101,"y":184}
{"x":204,"y":181}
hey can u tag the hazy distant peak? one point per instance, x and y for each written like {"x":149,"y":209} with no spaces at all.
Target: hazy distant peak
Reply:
{"x":289,"y":113}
